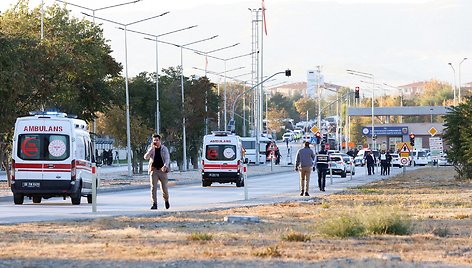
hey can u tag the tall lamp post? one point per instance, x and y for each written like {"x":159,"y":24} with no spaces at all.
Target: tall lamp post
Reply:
{"x":371,"y":76}
{"x":128,"y":127}
{"x":454,"y":89}
{"x":460,"y":85}
{"x":401,"y":98}
{"x":184,"y":166}
{"x":156,"y":40}
{"x":206,"y":66}
{"x":225,"y":95}
{"x":93,"y":15}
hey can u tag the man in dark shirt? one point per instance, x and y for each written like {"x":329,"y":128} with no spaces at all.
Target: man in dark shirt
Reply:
{"x":159,"y":161}
{"x":322,"y":159}
{"x":370,"y":160}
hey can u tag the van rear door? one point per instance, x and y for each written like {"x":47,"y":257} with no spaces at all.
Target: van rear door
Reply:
{"x":41,"y":157}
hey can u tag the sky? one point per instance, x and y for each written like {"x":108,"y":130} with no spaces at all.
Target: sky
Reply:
{"x":398,"y":41}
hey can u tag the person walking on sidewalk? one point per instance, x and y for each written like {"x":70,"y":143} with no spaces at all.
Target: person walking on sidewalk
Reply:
{"x":159,"y":162}
{"x":304,"y":164}
{"x":322,"y":160}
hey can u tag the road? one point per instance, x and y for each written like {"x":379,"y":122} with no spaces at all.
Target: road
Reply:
{"x":262,"y":189}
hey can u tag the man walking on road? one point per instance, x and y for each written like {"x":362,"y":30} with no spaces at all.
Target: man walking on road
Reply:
{"x":159,"y":162}
{"x":304,"y":164}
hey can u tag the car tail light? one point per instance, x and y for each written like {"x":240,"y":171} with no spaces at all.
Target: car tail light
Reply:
{"x":73,"y":171}
{"x":239,"y":166}
{"x":13,"y":170}
{"x":203,"y":166}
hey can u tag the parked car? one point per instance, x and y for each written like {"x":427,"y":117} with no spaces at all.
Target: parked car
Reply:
{"x":359,"y":160}
{"x":420,"y":158}
{"x":444,"y":161}
{"x":396,"y":160}
{"x":288,"y":136}
{"x":349,"y":161}
{"x":337,"y":166}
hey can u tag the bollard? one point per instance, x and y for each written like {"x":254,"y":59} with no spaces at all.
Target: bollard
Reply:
{"x":352,"y":169}
{"x":330,"y":173}
{"x":94,"y":187}
{"x":245,"y":182}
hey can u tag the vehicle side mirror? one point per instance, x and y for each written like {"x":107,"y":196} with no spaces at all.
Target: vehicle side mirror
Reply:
{"x":246,"y":160}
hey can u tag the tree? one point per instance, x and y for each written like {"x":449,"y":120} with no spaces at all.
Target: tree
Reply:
{"x":66,"y":71}
{"x":305,"y":105}
{"x":458,"y":135}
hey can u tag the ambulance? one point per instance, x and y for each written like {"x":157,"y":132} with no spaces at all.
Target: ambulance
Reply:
{"x":52,"y":157}
{"x":223,"y":159}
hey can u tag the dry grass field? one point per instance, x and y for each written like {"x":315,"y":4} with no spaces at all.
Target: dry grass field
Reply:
{"x":423,"y":219}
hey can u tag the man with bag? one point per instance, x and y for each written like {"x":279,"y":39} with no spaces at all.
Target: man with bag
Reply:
{"x":159,"y":162}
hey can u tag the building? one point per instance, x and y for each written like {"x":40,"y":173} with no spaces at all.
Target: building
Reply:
{"x":409,"y":91}
{"x":301,"y":88}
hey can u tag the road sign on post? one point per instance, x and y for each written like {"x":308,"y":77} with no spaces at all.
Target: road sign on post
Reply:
{"x":436,"y":147}
{"x":432,"y":131}
{"x":314,"y":129}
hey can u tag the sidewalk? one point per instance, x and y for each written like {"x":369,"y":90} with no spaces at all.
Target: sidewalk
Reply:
{"x":114,"y":178}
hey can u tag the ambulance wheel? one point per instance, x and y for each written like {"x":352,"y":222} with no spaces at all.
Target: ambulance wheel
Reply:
{"x":206,"y":183}
{"x":75,"y":198}
{"x":89,"y":198}
{"x":18,"y":199}
{"x":36,"y":199}
{"x":240,"y":183}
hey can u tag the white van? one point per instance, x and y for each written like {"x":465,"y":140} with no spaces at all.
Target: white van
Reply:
{"x":222,"y":159}
{"x":52,"y":157}
{"x":249,"y":144}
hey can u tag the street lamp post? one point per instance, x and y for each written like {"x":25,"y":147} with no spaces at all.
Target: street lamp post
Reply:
{"x":184,"y":164}
{"x":128,"y":127}
{"x":401,"y":98}
{"x":454,"y":89}
{"x":156,"y":40}
{"x":225,"y":95}
{"x":371,"y":76}
{"x":460,"y":85}
{"x":206,"y":92}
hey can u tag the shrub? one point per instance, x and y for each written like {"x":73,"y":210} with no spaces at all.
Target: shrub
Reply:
{"x":383,"y":220}
{"x":342,"y":226}
{"x":268,"y":252}
{"x":200,"y":237}
{"x":295,"y":237}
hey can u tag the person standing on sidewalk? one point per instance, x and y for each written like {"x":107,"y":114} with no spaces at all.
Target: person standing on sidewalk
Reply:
{"x":159,"y":162}
{"x":322,"y":160}
{"x":304,"y":164}
{"x":370,"y":160}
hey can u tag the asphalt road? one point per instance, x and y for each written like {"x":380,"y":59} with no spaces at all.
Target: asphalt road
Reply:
{"x":261,"y":189}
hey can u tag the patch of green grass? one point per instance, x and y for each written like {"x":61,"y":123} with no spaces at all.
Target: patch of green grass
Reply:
{"x":385,"y":220}
{"x":379,"y":220}
{"x":342,"y":226}
{"x":367,"y":191}
{"x":272,"y":251}
{"x":200,"y":237}
{"x":295,"y":237}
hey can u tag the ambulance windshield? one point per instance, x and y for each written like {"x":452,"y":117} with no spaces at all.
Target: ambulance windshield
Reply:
{"x":221,"y":152}
{"x":43,"y":147}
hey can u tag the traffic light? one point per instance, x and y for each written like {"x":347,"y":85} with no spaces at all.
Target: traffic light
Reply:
{"x":412,"y":139}
{"x":356,"y":93}
{"x":318,"y":137}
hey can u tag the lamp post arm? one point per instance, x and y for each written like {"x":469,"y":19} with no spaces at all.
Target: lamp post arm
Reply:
{"x":255,"y":86}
